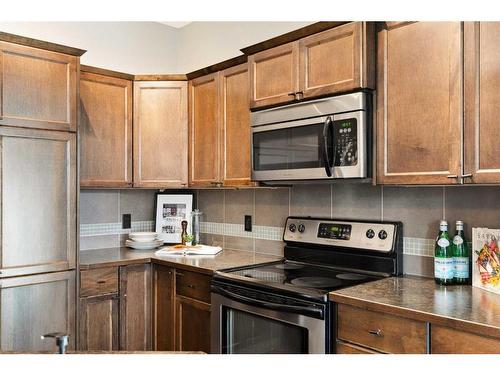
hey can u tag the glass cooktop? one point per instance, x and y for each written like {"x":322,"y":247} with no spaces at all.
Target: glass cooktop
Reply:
{"x":302,"y":275}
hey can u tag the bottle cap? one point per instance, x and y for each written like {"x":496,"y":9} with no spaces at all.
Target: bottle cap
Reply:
{"x":443,"y":225}
{"x":460,"y":224}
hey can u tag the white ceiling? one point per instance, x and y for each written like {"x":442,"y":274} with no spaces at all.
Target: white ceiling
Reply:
{"x":176,"y":24}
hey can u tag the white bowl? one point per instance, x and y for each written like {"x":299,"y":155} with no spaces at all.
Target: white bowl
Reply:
{"x":143,"y":236}
{"x":144,"y":245}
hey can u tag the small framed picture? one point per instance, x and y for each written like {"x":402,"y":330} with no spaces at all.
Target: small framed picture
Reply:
{"x":171,"y":210}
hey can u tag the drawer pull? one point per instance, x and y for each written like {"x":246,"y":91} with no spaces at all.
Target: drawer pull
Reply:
{"x":101,"y":281}
{"x":374,"y":332}
{"x":191,"y":286}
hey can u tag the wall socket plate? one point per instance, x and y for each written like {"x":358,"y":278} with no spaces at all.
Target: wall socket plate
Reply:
{"x":248,"y":223}
{"x":127,"y":221}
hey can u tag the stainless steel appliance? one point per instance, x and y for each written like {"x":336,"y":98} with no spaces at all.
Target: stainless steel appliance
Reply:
{"x":282,"y":306}
{"x":322,"y":139}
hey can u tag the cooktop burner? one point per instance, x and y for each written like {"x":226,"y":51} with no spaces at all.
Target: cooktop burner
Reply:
{"x":316,"y":282}
{"x":291,"y":274}
{"x":351,"y":276}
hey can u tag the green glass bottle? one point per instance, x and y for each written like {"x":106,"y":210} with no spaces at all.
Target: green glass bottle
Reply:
{"x":461,"y":260}
{"x":443,"y":258}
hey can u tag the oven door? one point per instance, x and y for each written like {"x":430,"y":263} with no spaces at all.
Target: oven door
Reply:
{"x":318,"y":148}
{"x":244,"y":325}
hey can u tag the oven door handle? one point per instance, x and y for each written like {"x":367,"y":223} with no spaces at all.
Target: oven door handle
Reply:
{"x":326,"y":158}
{"x":316,"y":312}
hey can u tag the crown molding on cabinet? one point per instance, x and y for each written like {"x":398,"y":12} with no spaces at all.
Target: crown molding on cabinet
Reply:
{"x":238,"y":60}
{"x":36,"y":43}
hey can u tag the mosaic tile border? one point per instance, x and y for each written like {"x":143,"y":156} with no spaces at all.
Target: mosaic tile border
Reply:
{"x":411,"y":246}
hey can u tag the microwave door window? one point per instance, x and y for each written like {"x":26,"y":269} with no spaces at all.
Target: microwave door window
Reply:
{"x":289,"y":148}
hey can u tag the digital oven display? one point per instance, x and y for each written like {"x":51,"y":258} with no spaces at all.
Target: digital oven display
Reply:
{"x":334,"y":231}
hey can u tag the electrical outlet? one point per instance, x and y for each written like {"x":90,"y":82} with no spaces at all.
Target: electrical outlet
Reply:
{"x":127,"y":221}
{"x":248,"y":223}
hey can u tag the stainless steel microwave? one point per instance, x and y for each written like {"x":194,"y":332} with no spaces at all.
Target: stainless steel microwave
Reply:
{"x":322,"y":139}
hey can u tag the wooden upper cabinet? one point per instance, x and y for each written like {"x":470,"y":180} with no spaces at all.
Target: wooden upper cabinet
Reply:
{"x":419,"y":120}
{"x":235,"y":121}
{"x":37,"y":200}
{"x":204,"y":131}
{"x":274,"y":75}
{"x":35,"y":305}
{"x":337,"y":60}
{"x":481,"y":101}
{"x":105,"y":131}
{"x":39,"y":88}
{"x":160,"y":134}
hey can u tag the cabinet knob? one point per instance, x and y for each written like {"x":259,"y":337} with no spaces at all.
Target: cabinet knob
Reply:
{"x":375,"y":332}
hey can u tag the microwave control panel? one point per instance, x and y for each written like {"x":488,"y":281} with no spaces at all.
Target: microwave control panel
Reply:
{"x":345,"y":142}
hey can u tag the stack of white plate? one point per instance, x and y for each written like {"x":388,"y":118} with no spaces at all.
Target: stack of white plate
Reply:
{"x":143,"y":241}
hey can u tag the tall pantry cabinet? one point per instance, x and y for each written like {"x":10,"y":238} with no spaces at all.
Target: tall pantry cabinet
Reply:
{"x":38,"y":192}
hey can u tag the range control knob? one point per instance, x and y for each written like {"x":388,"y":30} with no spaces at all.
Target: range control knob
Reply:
{"x":370,"y":233}
{"x":292,"y":227}
{"x":382,"y":234}
{"x":302,"y":228}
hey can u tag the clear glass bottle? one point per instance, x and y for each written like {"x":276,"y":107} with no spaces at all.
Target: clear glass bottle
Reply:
{"x":196,"y":225}
{"x":461,"y":256}
{"x":443,"y":258}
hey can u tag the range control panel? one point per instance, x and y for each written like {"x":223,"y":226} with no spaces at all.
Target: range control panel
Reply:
{"x":372,"y":236}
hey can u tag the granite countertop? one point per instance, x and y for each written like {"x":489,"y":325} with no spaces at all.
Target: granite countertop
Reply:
{"x":462,"y":307}
{"x":120,"y":256}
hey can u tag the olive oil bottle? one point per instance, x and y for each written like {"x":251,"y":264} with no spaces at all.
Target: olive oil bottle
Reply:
{"x":461,"y":254}
{"x":443,"y":257}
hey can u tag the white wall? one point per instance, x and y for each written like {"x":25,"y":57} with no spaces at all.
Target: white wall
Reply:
{"x":130,"y":47}
{"x":205,"y":43}
{"x":151,"y":47}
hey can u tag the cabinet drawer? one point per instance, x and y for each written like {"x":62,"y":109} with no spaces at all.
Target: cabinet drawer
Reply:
{"x":450,"y":341}
{"x":193,"y":285}
{"x":98,"y":281}
{"x":346,"y":348}
{"x":382,"y":332}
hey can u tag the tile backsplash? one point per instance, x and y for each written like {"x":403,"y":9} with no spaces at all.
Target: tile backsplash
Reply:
{"x":419,"y":208}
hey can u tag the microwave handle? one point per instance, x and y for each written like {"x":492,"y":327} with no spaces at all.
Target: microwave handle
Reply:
{"x":326,"y":159}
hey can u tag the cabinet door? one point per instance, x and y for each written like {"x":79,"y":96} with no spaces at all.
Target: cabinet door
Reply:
{"x":274,"y":75}
{"x":204,"y":131}
{"x":160,"y":134}
{"x":38,"y":201}
{"x":135,"y":307}
{"x":192,"y":325}
{"x":39,"y":88}
{"x":164,"y":308}
{"x":482,"y":102}
{"x":105,"y":131}
{"x":330,"y":62}
{"x":31,"y":306}
{"x":450,"y":341}
{"x":98,"y":328}
{"x":419,"y":120}
{"x":235,"y":120}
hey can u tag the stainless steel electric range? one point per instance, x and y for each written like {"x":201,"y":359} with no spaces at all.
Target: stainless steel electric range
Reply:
{"x":282,"y":306}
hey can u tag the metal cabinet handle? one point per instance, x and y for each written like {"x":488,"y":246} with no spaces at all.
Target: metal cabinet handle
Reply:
{"x":292,"y":94}
{"x":452,"y":176}
{"x":467,"y":175}
{"x":377,"y":332}
{"x":191,"y":286}
{"x":179,"y":274}
{"x":101,"y":282}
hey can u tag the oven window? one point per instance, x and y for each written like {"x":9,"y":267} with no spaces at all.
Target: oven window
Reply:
{"x":247,"y":333}
{"x":290,"y":148}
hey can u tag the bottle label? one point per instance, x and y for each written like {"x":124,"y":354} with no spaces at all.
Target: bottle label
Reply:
{"x":443,"y":268}
{"x":461,"y":267}
{"x":457,"y":240}
{"x":443,"y":242}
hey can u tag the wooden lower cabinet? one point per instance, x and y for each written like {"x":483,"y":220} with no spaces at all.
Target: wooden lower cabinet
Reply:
{"x":135,"y":307}
{"x":31,"y":306}
{"x":346,"y":348}
{"x":99,"y":323}
{"x":192,"y":325}
{"x":379,"y":331}
{"x":181,"y":310}
{"x":446,"y":340}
